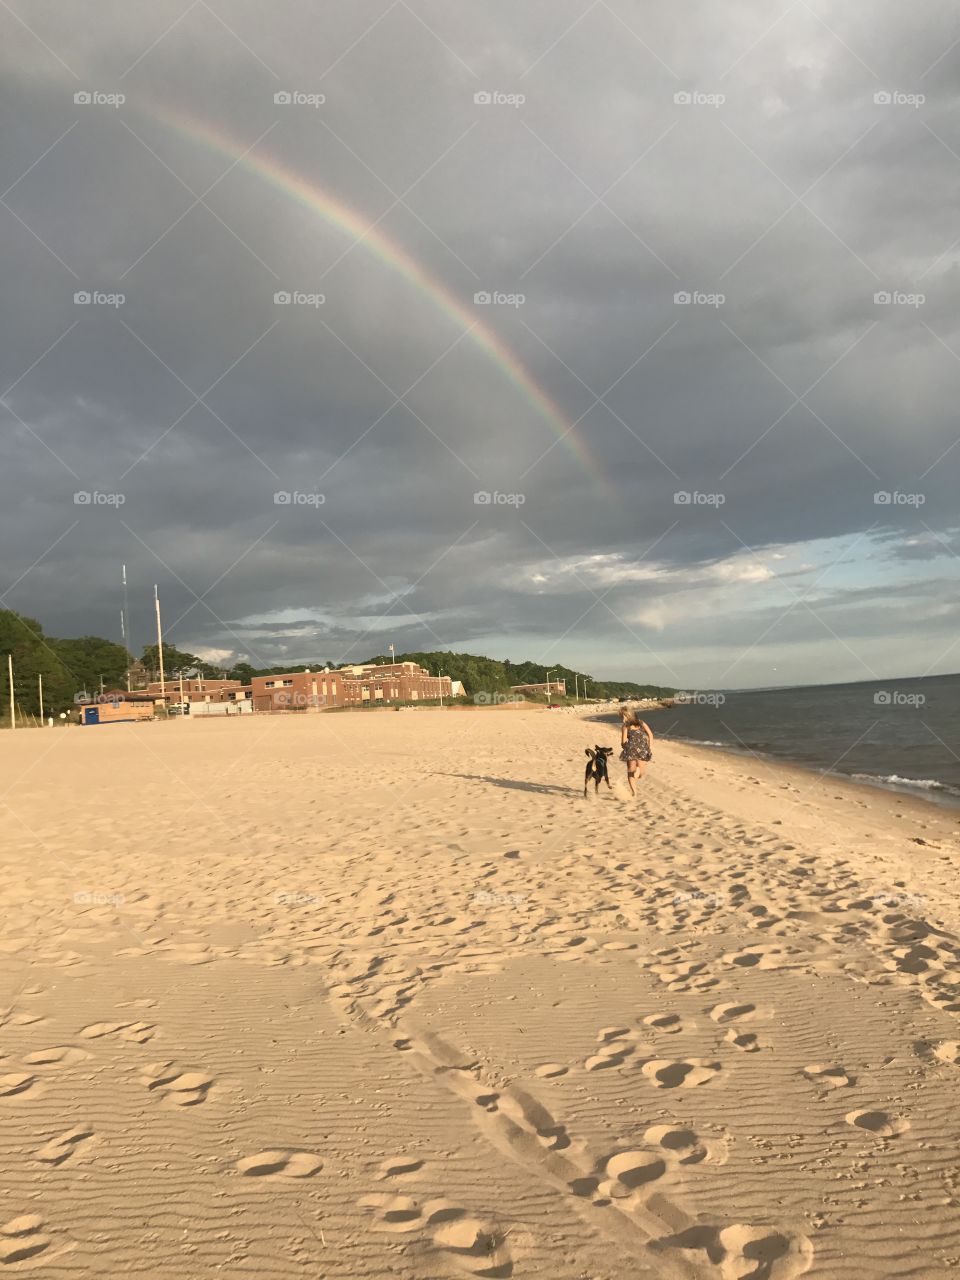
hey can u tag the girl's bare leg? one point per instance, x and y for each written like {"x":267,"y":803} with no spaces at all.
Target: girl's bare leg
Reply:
{"x":631,"y":766}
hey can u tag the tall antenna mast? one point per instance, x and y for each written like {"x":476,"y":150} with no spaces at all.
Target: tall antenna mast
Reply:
{"x":156,"y":600}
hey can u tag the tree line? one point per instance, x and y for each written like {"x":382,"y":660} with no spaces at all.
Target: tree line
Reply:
{"x":72,"y":667}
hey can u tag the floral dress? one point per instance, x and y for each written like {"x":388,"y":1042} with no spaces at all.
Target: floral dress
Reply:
{"x":637,"y":745}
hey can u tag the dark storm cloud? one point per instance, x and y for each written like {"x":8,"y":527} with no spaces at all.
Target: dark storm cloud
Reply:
{"x":798,"y":197}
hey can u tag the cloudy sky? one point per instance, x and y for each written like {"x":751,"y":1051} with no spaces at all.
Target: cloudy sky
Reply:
{"x":619,"y":334}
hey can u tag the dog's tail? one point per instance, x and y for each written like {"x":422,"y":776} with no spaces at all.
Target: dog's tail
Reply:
{"x":590,"y":752}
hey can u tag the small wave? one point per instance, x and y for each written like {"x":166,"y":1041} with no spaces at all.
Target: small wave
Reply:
{"x":894,"y":780}
{"x":704,"y":742}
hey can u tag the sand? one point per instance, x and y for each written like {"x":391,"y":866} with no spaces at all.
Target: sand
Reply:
{"x":382,"y":995}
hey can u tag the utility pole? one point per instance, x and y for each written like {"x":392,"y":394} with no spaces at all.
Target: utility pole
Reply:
{"x":163,"y":687}
{"x":440,"y":677}
{"x":576,"y":686}
{"x":40,"y":687}
{"x":13,"y":715}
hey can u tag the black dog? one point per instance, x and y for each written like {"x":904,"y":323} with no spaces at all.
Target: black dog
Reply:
{"x":597,"y":767}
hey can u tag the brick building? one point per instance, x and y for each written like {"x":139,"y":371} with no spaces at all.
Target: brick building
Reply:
{"x":348,"y":687}
{"x":199,"y":689}
{"x":558,"y":687}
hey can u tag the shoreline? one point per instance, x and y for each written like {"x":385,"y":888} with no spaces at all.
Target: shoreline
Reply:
{"x":940,"y":797}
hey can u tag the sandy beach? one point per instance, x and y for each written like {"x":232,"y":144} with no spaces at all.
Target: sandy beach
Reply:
{"x":370,"y":995}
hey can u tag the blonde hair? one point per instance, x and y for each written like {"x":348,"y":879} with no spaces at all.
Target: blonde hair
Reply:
{"x":629,"y":716}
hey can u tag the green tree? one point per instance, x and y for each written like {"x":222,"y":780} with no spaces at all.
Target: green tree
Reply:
{"x":173,"y":660}
{"x":88,"y":659}
{"x":34,"y":655}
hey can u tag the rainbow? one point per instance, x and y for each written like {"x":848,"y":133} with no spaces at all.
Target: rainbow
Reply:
{"x":339,"y":215}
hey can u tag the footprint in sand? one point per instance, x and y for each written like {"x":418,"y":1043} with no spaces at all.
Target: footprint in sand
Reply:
{"x":132,"y":1032}
{"x":666,"y":1023}
{"x":550,"y":1070}
{"x":280,"y":1164}
{"x":178,"y":1087}
{"x":475,"y":1247}
{"x":833,"y":1077}
{"x":745,"y":1041}
{"x":740,"y":1251}
{"x":22,"y":1238}
{"x":628,"y":1170}
{"x":665,"y":1074}
{"x":732,"y":1012}
{"x":63,"y":1055}
{"x":948,"y":1051}
{"x":881,"y":1123}
{"x":394,"y":1213}
{"x":398,"y":1166}
{"x":57,"y":1150}
{"x":16,"y":1083}
{"x":683,"y":1145}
